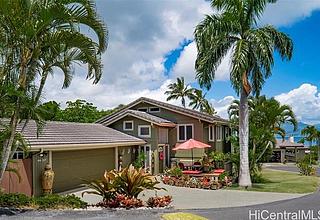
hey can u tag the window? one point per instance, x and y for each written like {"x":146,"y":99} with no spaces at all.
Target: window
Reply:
{"x":143,"y":109}
{"x":227,"y":133}
{"x":211,"y":133}
{"x":219,"y":133}
{"x":144,"y":131}
{"x":128,"y":125}
{"x":154,"y":109}
{"x":185,"y":132}
{"x":18,"y":155}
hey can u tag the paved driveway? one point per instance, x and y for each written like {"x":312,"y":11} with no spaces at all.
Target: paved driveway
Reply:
{"x":307,"y":204}
{"x":286,"y":167}
{"x":188,"y":198}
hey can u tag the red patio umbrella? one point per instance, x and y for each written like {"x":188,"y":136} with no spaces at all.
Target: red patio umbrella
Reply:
{"x":190,"y":145}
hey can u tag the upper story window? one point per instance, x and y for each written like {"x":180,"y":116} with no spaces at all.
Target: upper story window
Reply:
{"x":211,"y":133}
{"x":154,"y":109}
{"x":144,"y":131}
{"x":185,"y":132}
{"x":128,"y":125}
{"x":143,"y":109}
{"x":219,"y":133}
{"x":18,"y":155}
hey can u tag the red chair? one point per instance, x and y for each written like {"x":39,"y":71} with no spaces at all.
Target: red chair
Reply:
{"x":181,"y":165}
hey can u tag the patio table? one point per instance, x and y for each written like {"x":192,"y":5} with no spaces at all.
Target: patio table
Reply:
{"x":192,"y":167}
{"x":213,"y":176}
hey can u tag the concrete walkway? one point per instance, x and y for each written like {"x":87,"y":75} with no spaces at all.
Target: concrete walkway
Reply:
{"x":189,"y":198}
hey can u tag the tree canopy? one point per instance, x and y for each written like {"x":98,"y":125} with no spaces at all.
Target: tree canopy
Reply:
{"x":75,"y":111}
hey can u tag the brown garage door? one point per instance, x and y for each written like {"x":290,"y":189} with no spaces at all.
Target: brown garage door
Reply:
{"x":71,"y":167}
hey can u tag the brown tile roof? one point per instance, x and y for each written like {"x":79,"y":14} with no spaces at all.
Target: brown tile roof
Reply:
{"x":185,"y":111}
{"x":68,"y":133}
{"x":144,"y":116}
{"x":286,"y":143}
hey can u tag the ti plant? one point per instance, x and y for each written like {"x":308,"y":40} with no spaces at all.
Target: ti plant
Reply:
{"x":131,"y":181}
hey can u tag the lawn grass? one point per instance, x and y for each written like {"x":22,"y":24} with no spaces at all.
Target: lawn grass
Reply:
{"x":182,"y":216}
{"x":285,"y":182}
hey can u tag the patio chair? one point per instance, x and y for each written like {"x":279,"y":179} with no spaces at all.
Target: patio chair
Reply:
{"x":181,"y":165}
{"x":197,"y":165}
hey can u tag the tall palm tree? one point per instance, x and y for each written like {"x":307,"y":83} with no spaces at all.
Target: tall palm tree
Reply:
{"x":179,"y":90}
{"x":36,"y":38}
{"x":198,"y":101}
{"x":312,"y":134}
{"x":234,"y":28}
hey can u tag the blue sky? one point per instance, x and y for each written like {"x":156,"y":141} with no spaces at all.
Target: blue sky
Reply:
{"x":302,"y":68}
{"x":151,"y":44}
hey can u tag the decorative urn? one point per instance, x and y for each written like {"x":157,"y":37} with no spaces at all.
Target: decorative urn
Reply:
{"x":47,"y":179}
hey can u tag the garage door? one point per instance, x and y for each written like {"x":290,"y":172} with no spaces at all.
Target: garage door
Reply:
{"x":71,"y":167}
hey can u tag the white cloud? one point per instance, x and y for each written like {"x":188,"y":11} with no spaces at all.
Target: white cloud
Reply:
{"x":221,"y":106}
{"x":141,"y":34}
{"x":305,"y":102}
{"x":185,"y":65}
{"x":286,"y":12}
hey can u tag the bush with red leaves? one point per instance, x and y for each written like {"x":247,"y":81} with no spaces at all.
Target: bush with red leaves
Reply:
{"x":159,"y":201}
{"x":121,"y":201}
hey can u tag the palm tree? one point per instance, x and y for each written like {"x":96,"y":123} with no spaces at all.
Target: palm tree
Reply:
{"x":312,"y":134}
{"x":41,"y":36}
{"x":234,"y":29}
{"x":198,"y":101}
{"x":179,"y":90}
{"x":267,"y":117}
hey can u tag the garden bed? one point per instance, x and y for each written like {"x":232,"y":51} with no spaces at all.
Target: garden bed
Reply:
{"x":201,"y":182}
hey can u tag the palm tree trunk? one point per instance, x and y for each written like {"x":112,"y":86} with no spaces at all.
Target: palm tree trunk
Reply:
{"x":244,"y":173}
{"x":7,"y":145}
{"x":42,"y":83}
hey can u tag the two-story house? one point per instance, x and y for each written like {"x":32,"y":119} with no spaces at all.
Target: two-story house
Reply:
{"x":162,"y":126}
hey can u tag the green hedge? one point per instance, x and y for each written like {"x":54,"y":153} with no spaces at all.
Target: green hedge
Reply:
{"x":43,"y":202}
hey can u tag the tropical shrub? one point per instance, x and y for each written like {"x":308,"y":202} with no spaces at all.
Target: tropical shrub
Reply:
{"x":174,"y":171}
{"x":122,"y":188}
{"x":121,"y":201}
{"x":158,"y":201}
{"x":218,"y":159}
{"x":139,"y":162}
{"x":14,"y":200}
{"x":306,"y":169}
{"x":59,"y":202}
{"x":131,"y":181}
{"x":305,"y":165}
{"x":103,"y":187}
{"x":44,"y":202}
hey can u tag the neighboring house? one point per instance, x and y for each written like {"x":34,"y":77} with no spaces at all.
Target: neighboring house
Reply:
{"x":76,"y":151}
{"x":162,"y":126}
{"x":288,"y":151}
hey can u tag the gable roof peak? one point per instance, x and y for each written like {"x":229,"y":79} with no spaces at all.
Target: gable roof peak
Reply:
{"x":186,"y":111}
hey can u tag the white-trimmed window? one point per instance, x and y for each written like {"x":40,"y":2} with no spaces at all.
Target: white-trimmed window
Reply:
{"x":219,"y":133}
{"x":143,"y":109}
{"x":185,"y":132}
{"x":144,"y":131}
{"x":18,"y":155}
{"x":211,"y":133}
{"x":128,"y":125}
{"x":154,"y":109}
